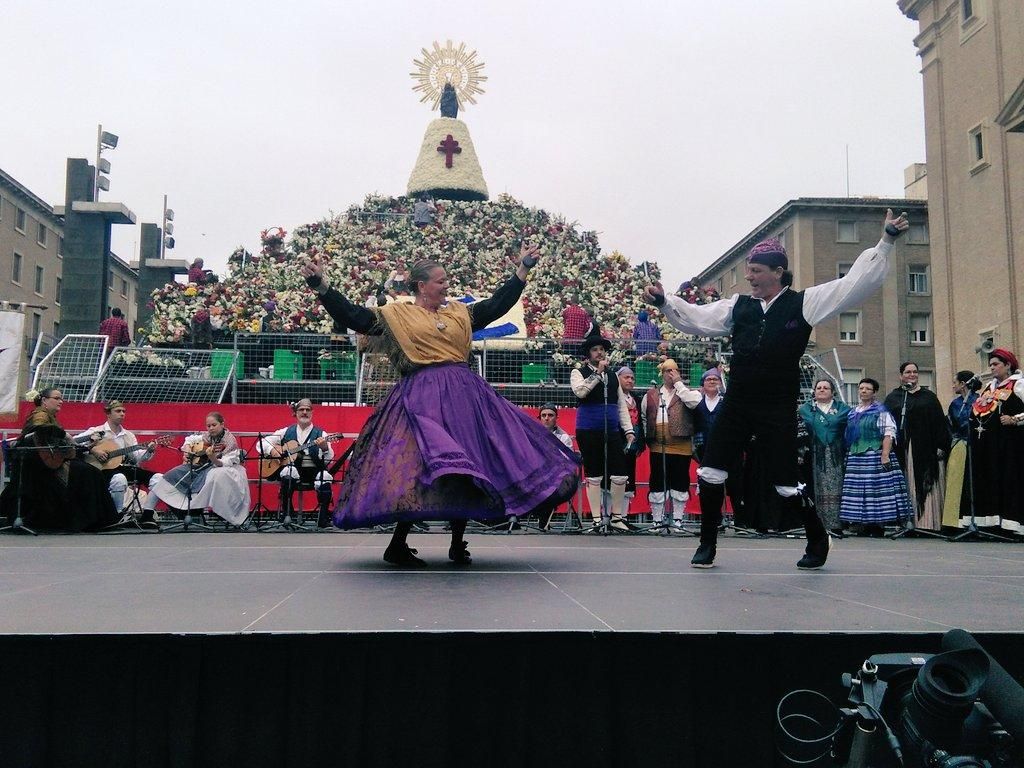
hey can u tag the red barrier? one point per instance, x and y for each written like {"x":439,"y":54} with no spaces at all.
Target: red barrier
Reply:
{"x":157,"y":418}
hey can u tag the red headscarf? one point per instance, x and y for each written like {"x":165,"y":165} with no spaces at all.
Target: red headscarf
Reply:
{"x":1006,"y":356}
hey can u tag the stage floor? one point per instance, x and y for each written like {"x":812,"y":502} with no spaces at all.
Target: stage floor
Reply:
{"x":337,"y":582}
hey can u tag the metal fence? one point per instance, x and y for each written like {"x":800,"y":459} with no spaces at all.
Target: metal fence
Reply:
{"x":341,"y":369}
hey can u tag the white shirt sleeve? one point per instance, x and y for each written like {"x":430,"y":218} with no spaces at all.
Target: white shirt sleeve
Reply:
{"x":566,"y":439}
{"x":887,"y":425}
{"x":1018,"y":388}
{"x":269,"y":442}
{"x":714,"y":319}
{"x":624,"y":421}
{"x":84,"y":438}
{"x":691,"y":397}
{"x":581,"y":386}
{"x":865,"y":277}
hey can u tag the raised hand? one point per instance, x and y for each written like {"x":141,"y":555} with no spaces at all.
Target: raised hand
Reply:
{"x":654,"y":294}
{"x":313,"y":272}
{"x":894,"y":226}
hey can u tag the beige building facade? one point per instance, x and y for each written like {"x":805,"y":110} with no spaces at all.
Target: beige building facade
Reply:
{"x":31,"y":263}
{"x":823,"y":237}
{"x":973,"y":78}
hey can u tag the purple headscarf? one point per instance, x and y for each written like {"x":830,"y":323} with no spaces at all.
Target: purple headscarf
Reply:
{"x":770,"y":253}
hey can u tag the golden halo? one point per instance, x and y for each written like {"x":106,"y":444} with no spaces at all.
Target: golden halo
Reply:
{"x":448,"y":65}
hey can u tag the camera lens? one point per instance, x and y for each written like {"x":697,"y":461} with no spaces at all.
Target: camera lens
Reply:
{"x":943,"y":696}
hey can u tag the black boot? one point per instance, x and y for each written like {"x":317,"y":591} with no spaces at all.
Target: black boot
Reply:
{"x":818,"y":540}
{"x":711,"y":498}
{"x":398,"y":552}
{"x":323,"y":520}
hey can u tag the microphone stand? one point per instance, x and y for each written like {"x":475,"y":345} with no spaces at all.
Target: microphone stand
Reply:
{"x":18,"y":524}
{"x":186,"y":521}
{"x":662,"y":526}
{"x":258,"y":510}
{"x":603,"y":526}
{"x":910,"y":527}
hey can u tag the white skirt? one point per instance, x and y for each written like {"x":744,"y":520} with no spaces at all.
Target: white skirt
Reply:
{"x":225,"y":490}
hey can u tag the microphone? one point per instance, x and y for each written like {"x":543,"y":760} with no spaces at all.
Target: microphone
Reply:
{"x":1003,"y":695}
{"x":907,"y":387}
{"x":654,"y":382}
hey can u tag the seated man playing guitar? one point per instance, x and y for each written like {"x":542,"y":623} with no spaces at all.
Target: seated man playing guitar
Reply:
{"x":299,"y":453}
{"x":118,"y":455}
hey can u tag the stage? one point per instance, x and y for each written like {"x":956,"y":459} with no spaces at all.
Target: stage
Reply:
{"x":306,"y":649}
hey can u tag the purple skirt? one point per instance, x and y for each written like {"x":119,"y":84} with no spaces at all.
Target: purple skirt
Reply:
{"x":444,"y":446}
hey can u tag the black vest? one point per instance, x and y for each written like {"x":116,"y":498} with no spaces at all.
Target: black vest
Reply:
{"x":596,"y":395}
{"x":766,"y":347}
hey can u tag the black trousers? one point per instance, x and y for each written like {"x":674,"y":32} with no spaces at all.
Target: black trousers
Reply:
{"x":133,"y":473}
{"x":677,"y":467}
{"x":772,"y":421}
{"x":592,"y":447}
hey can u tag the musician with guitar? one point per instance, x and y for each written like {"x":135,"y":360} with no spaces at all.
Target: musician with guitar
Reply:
{"x":299,"y":453}
{"x":211,"y":477}
{"x":55,"y":489}
{"x":118,"y":455}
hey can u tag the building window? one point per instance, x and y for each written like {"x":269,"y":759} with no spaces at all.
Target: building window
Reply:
{"x":926,"y":379}
{"x":37,"y":322}
{"x":734,"y":275}
{"x":977,"y":148}
{"x":110,"y":281}
{"x":966,"y":10}
{"x":919,"y":333}
{"x":720,"y":286}
{"x":849,"y":327}
{"x":846,"y":232}
{"x":842,"y":270}
{"x":56,"y":329}
{"x":60,"y":246}
{"x":19,"y":220}
{"x":850,"y":378}
{"x":918,"y":234}
{"x":124,"y":287}
{"x":918,"y":279}
{"x":16,"y":269}
{"x":1,"y":209}
{"x":39,"y":280}
{"x":41,"y":234}
{"x":56,"y":293}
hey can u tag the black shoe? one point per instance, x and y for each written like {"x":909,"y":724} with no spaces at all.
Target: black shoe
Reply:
{"x":149,"y":524}
{"x":704,"y":557}
{"x":403,"y":556}
{"x":458,"y":553}
{"x":815,"y":556}
{"x":323,"y":520}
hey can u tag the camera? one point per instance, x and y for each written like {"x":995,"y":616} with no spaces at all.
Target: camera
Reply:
{"x":916,"y":710}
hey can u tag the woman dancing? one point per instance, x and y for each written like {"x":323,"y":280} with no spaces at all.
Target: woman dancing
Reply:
{"x":442,"y":445}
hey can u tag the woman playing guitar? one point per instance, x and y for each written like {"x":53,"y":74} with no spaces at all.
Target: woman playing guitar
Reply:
{"x":211,"y":477}
{"x":57,"y":491}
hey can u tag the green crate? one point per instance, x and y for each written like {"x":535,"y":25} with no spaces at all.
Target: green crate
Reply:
{"x":342,"y":367}
{"x":287,"y":365}
{"x":534,"y":373}
{"x":220,"y":364}
{"x":646,"y":371}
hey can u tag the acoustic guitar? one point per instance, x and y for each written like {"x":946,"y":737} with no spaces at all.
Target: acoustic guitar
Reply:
{"x":116,"y":456}
{"x":287,"y":454}
{"x":54,"y":453}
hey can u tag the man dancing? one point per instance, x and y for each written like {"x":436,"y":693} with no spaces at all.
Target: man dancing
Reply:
{"x":770,"y":329}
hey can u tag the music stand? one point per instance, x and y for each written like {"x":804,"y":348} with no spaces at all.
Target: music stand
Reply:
{"x":18,"y":524}
{"x":256,"y":514}
{"x":186,"y":521}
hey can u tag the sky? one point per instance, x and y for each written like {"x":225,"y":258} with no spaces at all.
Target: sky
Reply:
{"x":671,"y":128}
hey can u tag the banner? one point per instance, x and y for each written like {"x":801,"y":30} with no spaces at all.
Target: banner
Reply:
{"x":12,"y":340}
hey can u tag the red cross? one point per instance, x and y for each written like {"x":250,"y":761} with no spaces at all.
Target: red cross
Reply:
{"x":450,"y":147}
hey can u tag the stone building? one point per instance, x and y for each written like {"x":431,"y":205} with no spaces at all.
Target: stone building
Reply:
{"x":973,"y":78}
{"x":32,"y":263}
